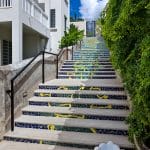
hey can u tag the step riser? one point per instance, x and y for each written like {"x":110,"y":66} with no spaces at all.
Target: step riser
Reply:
{"x":97,"y":106}
{"x":100,"y":96}
{"x":86,"y":61}
{"x":78,"y":63}
{"x":79,"y":116}
{"x":74,"y":129}
{"x":88,"y":67}
{"x":101,"y":88}
{"x":89,"y":73}
{"x":74,"y":77}
{"x":72,"y":69}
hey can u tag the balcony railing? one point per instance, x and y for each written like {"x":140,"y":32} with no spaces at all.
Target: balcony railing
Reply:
{"x":32,"y":8}
{"x":5,"y":3}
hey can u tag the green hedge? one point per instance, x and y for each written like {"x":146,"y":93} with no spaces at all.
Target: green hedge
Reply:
{"x":125,"y":27}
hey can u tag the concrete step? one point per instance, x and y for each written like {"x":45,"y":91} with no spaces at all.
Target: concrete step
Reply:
{"x":87,"y":66}
{"x":9,"y":145}
{"x":85,"y":82}
{"x":92,"y":56}
{"x":81,"y":103}
{"x":76,"y":125}
{"x":84,"y":113}
{"x":87,"y":63}
{"x":89,"y":59}
{"x":81,"y":93}
{"x":87,"y":76}
{"x":74,"y":139}
{"x":87,"y":69}
{"x":86,"y":73}
{"x":80,"y":58}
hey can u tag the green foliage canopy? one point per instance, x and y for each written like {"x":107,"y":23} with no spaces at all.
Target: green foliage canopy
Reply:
{"x":71,"y":37}
{"x":125,"y":26}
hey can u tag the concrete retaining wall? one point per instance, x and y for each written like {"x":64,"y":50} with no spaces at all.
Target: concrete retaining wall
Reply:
{"x":25,"y":85}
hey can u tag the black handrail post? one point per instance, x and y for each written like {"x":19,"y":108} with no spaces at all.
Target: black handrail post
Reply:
{"x":57,"y":66}
{"x":12,"y":105}
{"x":43,"y":67}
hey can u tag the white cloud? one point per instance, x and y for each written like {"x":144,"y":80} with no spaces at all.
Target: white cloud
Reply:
{"x":91,"y":9}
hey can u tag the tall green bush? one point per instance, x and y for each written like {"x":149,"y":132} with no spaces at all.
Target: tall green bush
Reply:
{"x":125,"y":26}
{"x":71,"y":37}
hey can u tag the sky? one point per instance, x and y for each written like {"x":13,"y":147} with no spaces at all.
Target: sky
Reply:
{"x":87,"y":9}
{"x":74,"y":8}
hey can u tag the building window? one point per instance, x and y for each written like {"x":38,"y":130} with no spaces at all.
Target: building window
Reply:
{"x":52,"y":18}
{"x":65,"y":23}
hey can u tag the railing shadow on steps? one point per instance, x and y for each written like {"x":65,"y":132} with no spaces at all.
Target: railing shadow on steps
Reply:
{"x":12,"y":92}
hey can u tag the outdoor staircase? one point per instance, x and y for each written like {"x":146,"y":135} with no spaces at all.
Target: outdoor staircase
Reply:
{"x":86,"y":106}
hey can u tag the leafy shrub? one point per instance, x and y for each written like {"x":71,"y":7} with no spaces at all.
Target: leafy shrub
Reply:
{"x":71,"y":37}
{"x":125,"y":26}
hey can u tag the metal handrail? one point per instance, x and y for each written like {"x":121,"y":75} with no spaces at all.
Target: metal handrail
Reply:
{"x":11,"y":92}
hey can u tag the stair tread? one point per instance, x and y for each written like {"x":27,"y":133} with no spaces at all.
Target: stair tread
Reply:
{"x":69,"y":122}
{"x":69,"y":137}
{"x":8,"y":145}
{"x":80,"y":92}
{"x":79,"y":100}
{"x":82,"y":111}
{"x":85,"y":82}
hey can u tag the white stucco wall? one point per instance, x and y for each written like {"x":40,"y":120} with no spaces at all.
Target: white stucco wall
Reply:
{"x":18,"y":17}
{"x":61,"y":11}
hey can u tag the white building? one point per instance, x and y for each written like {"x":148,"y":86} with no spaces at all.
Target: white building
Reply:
{"x":29,"y":26}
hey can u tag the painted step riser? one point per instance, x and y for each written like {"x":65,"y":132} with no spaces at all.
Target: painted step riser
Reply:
{"x":92,"y":58}
{"x":95,"y":106}
{"x":100,"y":88}
{"x":73,"y":69}
{"x":91,"y":54}
{"x":78,"y":63}
{"x":94,"y":96}
{"x":74,"y":129}
{"x":79,"y":116}
{"x":87,"y":61}
{"x":88,"y":67}
{"x":74,"y":77}
{"x":83,"y":73}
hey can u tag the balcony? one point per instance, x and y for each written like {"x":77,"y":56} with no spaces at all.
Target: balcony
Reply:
{"x":32,"y":8}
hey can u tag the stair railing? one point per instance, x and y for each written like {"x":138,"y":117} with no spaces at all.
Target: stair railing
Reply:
{"x":12,"y":91}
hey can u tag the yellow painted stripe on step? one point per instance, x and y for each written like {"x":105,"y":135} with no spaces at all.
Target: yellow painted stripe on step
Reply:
{"x":41,"y":142}
{"x":49,"y":104}
{"x":45,"y":94}
{"x":102,"y":96}
{"x":68,"y":105}
{"x":51,"y":127}
{"x":93,"y":130}
{"x":62,"y":88}
{"x":95,"y":88}
{"x":82,"y":87}
{"x":101,"y":107}
{"x":69,"y":116}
